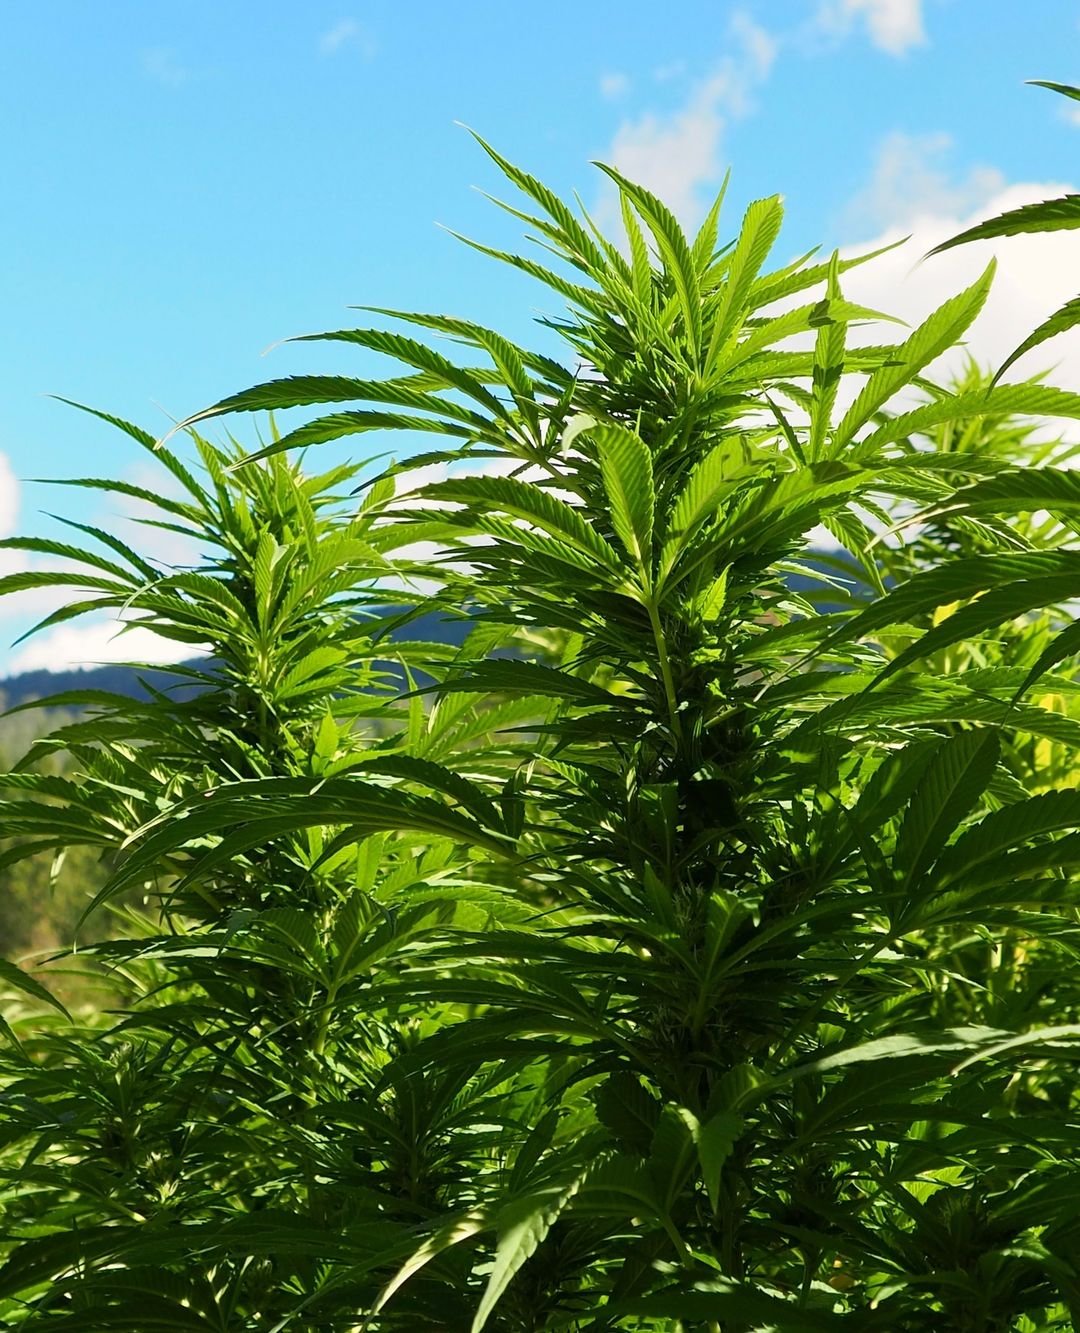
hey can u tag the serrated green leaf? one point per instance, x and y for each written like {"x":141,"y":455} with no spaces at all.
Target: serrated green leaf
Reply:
{"x":497,"y":676}
{"x":1038,"y":399}
{"x":990,"y":610}
{"x":17,"y":979}
{"x":1044,"y":215}
{"x":725,"y":1302}
{"x":714,"y":1139}
{"x":1064,"y":318}
{"x":520,"y":499}
{"x":674,"y":250}
{"x":828,"y":368}
{"x":955,"y":581}
{"x":627,"y":470}
{"x":629,"y":1110}
{"x":760,"y":228}
{"x":933,"y":337}
{"x":956,"y":777}
{"x":1000,"y":831}
{"x":520,"y":1227}
{"x":902,"y":1046}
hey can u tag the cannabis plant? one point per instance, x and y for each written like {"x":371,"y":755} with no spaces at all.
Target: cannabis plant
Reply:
{"x":683,"y":951}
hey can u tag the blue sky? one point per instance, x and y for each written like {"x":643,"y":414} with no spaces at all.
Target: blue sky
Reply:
{"x":188,"y":183}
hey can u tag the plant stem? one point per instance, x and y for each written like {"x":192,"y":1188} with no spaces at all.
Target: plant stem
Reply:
{"x":665,"y":668}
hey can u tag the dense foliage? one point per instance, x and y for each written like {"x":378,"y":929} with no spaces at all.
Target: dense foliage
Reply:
{"x":691,"y":948}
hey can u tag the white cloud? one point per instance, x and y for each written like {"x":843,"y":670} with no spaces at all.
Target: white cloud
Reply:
{"x":164,"y":66}
{"x":911,"y":180}
{"x":9,"y":497}
{"x":138,"y":516}
{"x":677,"y":155}
{"x":344,"y":33}
{"x":1036,"y":274}
{"x":614,"y":86}
{"x":759,"y":45}
{"x":894,"y":26}
{"x":36,"y":601}
{"x":95,"y":639}
{"x":90,"y":644}
{"x":18,"y":609}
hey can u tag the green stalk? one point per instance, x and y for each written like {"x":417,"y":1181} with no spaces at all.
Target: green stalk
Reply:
{"x":665,"y":668}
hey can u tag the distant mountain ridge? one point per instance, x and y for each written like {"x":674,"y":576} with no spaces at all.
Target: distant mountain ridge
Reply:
{"x":116,"y":678}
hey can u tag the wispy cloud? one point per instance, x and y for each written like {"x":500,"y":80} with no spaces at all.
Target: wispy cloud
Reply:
{"x":613,"y":86}
{"x":759,"y":47}
{"x":665,"y":73}
{"x":347,"y":33}
{"x":678,"y":154}
{"x":894,"y":26}
{"x":911,"y":179}
{"x":164,"y":66}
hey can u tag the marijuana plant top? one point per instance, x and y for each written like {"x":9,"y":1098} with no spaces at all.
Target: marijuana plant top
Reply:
{"x":693,"y":948}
